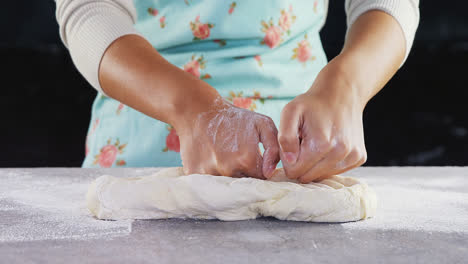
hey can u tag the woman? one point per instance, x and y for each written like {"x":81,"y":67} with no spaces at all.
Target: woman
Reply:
{"x":205,"y":81}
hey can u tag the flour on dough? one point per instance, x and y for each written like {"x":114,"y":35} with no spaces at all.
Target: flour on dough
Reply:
{"x":170,"y":194}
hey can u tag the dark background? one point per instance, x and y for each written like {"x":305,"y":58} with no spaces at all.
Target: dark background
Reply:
{"x":419,"y":118}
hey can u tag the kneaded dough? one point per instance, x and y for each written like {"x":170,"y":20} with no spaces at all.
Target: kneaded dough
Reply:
{"x":171,"y":194}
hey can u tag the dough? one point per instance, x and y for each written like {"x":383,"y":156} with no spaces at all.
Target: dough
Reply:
{"x":170,"y":194}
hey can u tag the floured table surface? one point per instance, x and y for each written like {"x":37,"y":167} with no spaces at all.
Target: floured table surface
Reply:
{"x":422,"y":217}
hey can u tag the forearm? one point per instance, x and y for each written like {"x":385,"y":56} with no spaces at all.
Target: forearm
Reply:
{"x":134,"y":73}
{"x":373,"y":51}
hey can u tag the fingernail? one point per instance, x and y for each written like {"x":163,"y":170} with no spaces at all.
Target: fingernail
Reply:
{"x":290,"y":157}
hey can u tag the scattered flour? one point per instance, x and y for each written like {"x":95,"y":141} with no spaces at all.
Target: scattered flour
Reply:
{"x":417,"y":199}
{"x":48,"y":204}
{"x":48,"y":207}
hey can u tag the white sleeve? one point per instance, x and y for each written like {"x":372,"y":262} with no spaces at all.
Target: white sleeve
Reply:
{"x":405,"y":12}
{"x":88,"y":27}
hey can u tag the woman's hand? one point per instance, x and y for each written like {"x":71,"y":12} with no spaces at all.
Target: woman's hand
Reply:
{"x":216,"y":137}
{"x":321,"y":131}
{"x":223,"y":140}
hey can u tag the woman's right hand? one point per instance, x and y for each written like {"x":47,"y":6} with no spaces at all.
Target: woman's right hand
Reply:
{"x":216,"y":137}
{"x":224,"y":140}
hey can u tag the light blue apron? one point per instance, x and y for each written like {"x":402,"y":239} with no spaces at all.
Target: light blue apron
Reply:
{"x":257,"y":54}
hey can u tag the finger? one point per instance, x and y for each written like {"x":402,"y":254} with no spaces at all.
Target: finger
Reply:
{"x":268,"y":135}
{"x":327,"y":166}
{"x":251,"y":164}
{"x":288,"y":136}
{"x":312,"y":151}
{"x":353,"y":160}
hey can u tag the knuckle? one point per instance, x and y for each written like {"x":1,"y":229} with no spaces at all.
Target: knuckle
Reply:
{"x":355,"y":152}
{"x":363,"y":153}
{"x":319,"y":147}
{"x":354,"y":155}
{"x":269,"y":120}
{"x":363,"y":158}
{"x":342,"y":164}
{"x":341,"y":147}
{"x":285,"y":140}
{"x":360,"y":162}
{"x":262,"y":118}
{"x":270,"y":125}
{"x":289,"y":109}
{"x":322,"y":145}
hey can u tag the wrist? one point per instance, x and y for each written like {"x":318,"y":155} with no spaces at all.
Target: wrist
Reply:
{"x":341,"y":80}
{"x":199,"y":97}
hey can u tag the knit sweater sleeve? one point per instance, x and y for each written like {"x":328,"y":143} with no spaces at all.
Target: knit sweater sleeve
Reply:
{"x":405,"y":12}
{"x":88,"y":27}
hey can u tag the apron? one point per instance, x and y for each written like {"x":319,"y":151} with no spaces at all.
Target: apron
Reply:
{"x":258,"y":56}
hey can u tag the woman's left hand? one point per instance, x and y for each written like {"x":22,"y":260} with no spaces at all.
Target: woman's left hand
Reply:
{"x":321,"y":131}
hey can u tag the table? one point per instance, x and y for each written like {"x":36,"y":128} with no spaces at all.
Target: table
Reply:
{"x":422,"y":217}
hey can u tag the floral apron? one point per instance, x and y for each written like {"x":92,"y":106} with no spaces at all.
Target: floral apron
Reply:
{"x":258,"y":56}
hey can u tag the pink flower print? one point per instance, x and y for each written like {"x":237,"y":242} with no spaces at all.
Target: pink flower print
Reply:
{"x":245,"y":103}
{"x":193,"y":67}
{"x":286,"y":20}
{"x":303,"y":52}
{"x":272,"y":37}
{"x":119,"y":108}
{"x":187,"y":2}
{"x":259,"y":60}
{"x":231,"y":7}
{"x":272,"y":34}
{"x":200,"y":30}
{"x":315,"y":6}
{"x":108,"y":154}
{"x":162,"y":21}
{"x":242,"y":102}
{"x":153,"y":11}
{"x":172,"y":140}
